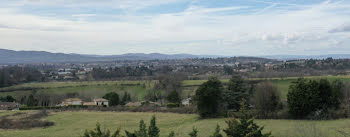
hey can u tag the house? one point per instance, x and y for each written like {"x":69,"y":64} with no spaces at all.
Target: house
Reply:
{"x":72,"y":101}
{"x":101,"y":102}
{"x":186,"y":102}
{"x":9,"y":106}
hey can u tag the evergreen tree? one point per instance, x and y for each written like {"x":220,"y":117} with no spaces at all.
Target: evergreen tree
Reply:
{"x":208,"y":97}
{"x":113,"y":98}
{"x":97,"y":132}
{"x":153,"y":130}
{"x":237,"y":91}
{"x":142,"y":130}
{"x":244,"y":127}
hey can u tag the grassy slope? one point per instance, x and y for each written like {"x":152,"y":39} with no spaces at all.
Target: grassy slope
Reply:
{"x":73,"y":124}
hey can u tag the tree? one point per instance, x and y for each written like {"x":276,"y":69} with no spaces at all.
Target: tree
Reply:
{"x":31,"y":101}
{"x":266,"y":98}
{"x":306,"y":97}
{"x":142,"y":130}
{"x":97,"y":132}
{"x":153,"y":130}
{"x":208,"y":98}
{"x":7,"y":99}
{"x":244,"y":127}
{"x":113,"y":98}
{"x":237,"y":91}
{"x":217,"y":132}
{"x":193,"y":133}
{"x":174,"y":97}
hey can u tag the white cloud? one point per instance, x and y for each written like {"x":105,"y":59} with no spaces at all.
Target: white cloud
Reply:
{"x":197,"y":30}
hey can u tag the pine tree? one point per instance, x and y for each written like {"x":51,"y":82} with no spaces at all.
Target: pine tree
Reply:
{"x":244,"y":127}
{"x":153,"y":130}
{"x":142,"y":130}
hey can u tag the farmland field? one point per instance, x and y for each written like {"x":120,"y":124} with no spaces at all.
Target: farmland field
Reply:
{"x":138,"y":89}
{"x":73,"y":124}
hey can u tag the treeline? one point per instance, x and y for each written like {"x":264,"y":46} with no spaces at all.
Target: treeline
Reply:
{"x":15,"y":75}
{"x":119,"y":72}
{"x":306,"y":99}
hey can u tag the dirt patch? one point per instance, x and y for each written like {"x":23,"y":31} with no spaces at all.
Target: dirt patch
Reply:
{"x":25,"y":120}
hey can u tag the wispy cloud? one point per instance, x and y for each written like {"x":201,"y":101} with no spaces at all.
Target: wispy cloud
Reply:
{"x":274,"y":28}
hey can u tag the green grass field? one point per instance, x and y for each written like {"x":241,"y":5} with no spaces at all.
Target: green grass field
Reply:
{"x":138,"y":89}
{"x":73,"y":124}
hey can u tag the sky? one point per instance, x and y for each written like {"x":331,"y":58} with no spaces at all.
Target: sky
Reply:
{"x":200,"y":27}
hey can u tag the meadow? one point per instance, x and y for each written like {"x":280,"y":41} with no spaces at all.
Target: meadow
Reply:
{"x":137,"y":89}
{"x":73,"y":124}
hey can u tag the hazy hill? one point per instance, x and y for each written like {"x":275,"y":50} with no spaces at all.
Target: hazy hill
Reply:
{"x":19,"y":57}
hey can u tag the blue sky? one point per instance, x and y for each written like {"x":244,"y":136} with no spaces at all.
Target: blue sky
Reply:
{"x":220,"y":27}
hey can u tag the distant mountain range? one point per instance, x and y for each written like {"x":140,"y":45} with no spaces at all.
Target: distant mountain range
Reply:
{"x":297,"y":57}
{"x":23,"y":57}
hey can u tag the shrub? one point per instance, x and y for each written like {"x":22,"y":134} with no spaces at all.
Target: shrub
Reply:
{"x":97,"y":132}
{"x":173,"y":105}
{"x":217,"y":132}
{"x":193,"y":133}
{"x":174,"y":97}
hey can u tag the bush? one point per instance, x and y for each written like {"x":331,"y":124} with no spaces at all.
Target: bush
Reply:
{"x":174,"y":97}
{"x":97,"y":132}
{"x":172,"y":105}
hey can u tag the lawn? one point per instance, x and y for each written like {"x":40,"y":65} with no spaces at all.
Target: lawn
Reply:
{"x":73,"y":124}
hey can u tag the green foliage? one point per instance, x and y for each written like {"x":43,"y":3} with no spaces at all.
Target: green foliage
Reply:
{"x":172,"y":105}
{"x":244,"y":127}
{"x":193,"y":133}
{"x":7,"y":99}
{"x":237,"y":91}
{"x":174,"y":97}
{"x":217,"y":132}
{"x":142,"y":130}
{"x":172,"y":134}
{"x":311,"y":97}
{"x":153,"y":130}
{"x":126,"y":98}
{"x":113,"y":98}
{"x":31,"y":101}
{"x":266,"y":98}
{"x":97,"y":132}
{"x":208,"y":98}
